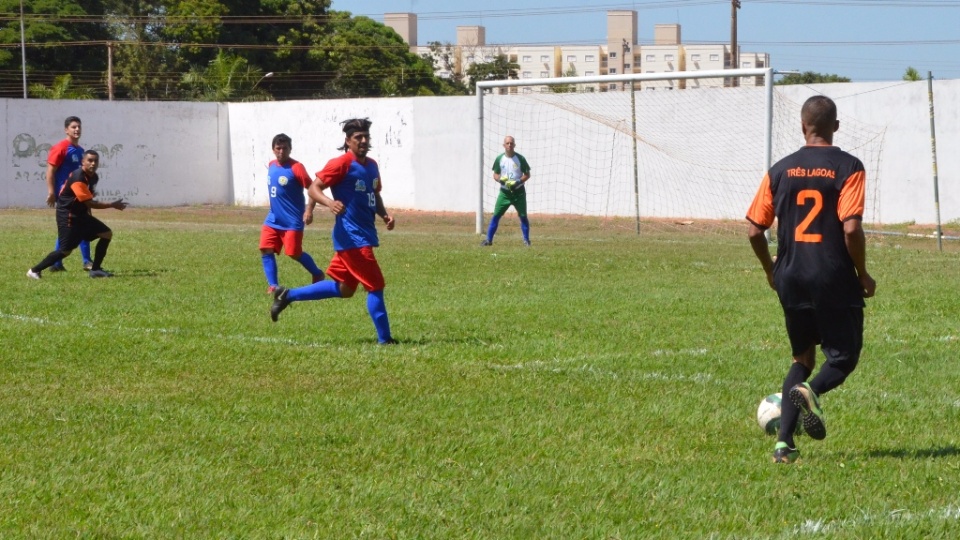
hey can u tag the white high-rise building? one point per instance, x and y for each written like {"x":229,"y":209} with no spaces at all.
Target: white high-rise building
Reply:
{"x":620,"y":54}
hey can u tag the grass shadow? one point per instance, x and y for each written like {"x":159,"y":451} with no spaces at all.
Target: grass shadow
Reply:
{"x":139,"y":273}
{"x":921,"y":453}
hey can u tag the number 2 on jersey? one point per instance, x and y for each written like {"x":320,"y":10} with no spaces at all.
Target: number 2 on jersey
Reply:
{"x":801,"y":234}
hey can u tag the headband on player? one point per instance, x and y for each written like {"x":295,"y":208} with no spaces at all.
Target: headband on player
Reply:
{"x":354,"y":125}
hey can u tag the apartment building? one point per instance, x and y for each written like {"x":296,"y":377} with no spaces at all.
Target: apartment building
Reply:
{"x":620,"y":54}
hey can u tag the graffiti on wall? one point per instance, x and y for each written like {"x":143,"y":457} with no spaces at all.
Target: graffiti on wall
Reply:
{"x":30,"y":164}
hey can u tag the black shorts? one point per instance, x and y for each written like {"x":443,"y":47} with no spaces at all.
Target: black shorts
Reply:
{"x":839,"y":332}
{"x":75,"y":230}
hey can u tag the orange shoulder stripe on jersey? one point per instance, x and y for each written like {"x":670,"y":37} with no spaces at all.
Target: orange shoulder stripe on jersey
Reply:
{"x":760,"y":212}
{"x":852,"y":196}
{"x":82,"y":191}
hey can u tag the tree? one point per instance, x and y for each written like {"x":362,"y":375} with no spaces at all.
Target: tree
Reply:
{"x":368,"y":59}
{"x":60,"y":89}
{"x":180,"y":49}
{"x":911,"y":74}
{"x":227,"y":78}
{"x":47,"y":23}
{"x":809,"y":77}
{"x":499,"y":69}
{"x":443,"y":57}
{"x":565,"y":88}
{"x":144,"y":66}
{"x":286,"y":45}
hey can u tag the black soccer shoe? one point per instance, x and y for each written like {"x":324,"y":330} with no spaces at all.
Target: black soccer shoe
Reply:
{"x":280,"y":302}
{"x":784,"y":454}
{"x":811,"y":415}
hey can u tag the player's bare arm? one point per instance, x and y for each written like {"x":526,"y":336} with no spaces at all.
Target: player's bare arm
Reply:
{"x":384,"y":215}
{"x":51,"y":185}
{"x":758,"y":241}
{"x":308,"y":213}
{"x":316,"y":194}
{"x":118,"y":204}
{"x":857,"y":247}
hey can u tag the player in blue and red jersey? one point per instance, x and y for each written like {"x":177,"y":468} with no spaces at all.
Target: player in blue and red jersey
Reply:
{"x":62,"y":159}
{"x":289,"y":213}
{"x":75,"y":223}
{"x":820,"y":274}
{"x":354,"y":181}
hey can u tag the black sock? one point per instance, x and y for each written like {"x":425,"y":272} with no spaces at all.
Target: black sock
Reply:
{"x":827,"y":379}
{"x":51,"y":259}
{"x":789,"y":414}
{"x":100,"y":253}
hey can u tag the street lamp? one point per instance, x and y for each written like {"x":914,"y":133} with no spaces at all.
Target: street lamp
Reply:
{"x":267,"y":75}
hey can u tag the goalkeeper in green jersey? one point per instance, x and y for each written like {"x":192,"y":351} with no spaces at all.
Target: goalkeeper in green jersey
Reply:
{"x":511,"y":171}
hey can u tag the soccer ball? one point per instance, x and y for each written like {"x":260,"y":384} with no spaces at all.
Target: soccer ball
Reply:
{"x":768,"y":414}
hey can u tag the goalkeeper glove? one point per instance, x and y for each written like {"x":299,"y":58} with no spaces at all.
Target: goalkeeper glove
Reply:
{"x":510,"y":184}
{"x":517,"y":185}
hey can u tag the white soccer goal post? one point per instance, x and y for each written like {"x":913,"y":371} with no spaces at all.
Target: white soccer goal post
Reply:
{"x":685,"y":144}
{"x":679,"y":148}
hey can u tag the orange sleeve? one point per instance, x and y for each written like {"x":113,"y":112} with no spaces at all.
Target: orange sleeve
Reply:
{"x":335,"y":169}
{"x":852,"y":196}
{"x":82,"y":191}
{"x":761,"y":210}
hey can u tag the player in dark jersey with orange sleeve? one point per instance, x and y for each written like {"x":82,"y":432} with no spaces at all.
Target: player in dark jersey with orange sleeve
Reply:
{"x":74,"y":220}
{"x":62,"y":159}
{"x":820,"y":272}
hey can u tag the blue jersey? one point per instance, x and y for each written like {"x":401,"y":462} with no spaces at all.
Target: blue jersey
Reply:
{"x":355,"y":185}
{"x":285,"y":184}
{"x":65,"y":158}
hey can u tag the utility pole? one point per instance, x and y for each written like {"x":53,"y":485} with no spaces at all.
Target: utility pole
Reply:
{"x":23,"y":52}
{"x":110,"y":70}
{"x":734,"y":52}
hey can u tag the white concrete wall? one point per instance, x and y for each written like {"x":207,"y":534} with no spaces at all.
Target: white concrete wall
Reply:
{"x":165,"y":154}
{"x":905,"y":182}
{"x":425,"y":146}
{"x":151,"y":154}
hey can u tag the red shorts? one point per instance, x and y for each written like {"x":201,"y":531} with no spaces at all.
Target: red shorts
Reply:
{"x":357,"y":266}
{"x":291,"y":241}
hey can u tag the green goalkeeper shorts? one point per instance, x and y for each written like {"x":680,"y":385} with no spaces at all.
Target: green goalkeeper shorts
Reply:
{"x":506,"y":199}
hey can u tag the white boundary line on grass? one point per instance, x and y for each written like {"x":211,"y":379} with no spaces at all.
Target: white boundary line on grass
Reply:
{"x":235,"y":337}
{"x":901,"y":515}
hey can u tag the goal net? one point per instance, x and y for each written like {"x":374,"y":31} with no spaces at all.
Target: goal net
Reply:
{"x":684,"y":149}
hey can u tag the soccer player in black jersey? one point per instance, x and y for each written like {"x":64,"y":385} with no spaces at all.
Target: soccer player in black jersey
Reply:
{"x":820,"y":272}
{"x":74,"y":220}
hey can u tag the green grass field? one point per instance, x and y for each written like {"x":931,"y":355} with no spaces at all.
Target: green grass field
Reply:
{"x":597,"y":385}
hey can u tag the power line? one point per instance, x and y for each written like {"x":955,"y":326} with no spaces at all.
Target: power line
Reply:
{"x":261,"y":46}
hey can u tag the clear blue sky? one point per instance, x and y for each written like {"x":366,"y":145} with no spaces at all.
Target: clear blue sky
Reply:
{"x":864,"y":40}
